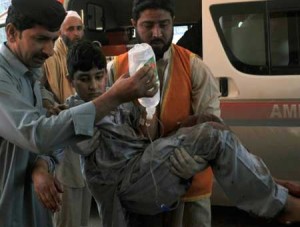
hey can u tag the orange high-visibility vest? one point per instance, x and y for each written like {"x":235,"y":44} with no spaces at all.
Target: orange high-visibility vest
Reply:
{"x":175,"y":107}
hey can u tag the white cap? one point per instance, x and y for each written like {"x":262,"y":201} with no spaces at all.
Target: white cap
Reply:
{"x":72,"y":13}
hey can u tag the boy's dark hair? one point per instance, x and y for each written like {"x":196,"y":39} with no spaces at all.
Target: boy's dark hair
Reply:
{"x":84,"y":55}
{"x":140,"y":5}
{"x":25,"y":14}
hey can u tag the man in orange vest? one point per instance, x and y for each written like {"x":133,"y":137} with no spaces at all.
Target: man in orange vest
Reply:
{"x":187,"y":88}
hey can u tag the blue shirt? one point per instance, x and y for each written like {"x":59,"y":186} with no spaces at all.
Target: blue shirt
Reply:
{"x":25,"y":132}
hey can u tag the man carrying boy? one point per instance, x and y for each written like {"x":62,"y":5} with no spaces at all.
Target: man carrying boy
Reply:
{"x":127,"y":173}
{"x":187,"y":87}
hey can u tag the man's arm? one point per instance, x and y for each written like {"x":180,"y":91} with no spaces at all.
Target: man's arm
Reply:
{"x":125,"y":89}
{"x":46,"y":186}
{"x":28,"y":128}
{"x":205,"y":92}
{"x":206,"y":107}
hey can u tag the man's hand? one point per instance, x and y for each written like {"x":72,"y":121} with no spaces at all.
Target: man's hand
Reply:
{"x":53,"y":109}
{"x":142,"y":84}
{"x":186,"y":166}
{"x":47,"y":187}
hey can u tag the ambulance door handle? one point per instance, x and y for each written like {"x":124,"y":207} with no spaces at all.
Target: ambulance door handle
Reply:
{"x":223,"y":86}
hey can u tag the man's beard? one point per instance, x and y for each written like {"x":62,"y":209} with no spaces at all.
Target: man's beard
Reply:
{"x":158,"y":51}
{"x":68,"y":42}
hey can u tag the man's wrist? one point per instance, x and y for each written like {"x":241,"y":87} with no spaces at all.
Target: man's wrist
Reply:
{"x":40,"y":166}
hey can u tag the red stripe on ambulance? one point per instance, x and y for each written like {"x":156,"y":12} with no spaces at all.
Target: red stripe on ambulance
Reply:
{"x":260,"y":110}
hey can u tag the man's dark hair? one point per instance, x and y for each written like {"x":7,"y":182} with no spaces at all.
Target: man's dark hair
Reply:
{"x":84,"y":55}
{"x":140,"y":5}
{"x":25,"y":14}
{"x":19,"y":20}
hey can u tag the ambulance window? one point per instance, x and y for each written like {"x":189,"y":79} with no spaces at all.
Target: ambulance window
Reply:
{"x":179,"y":30}
{"x":257,"y":40}
{"x":2,"y":35}
{"x":4,"y":4}
{"x":244,"y":34}
{"x":95,"y":18}
{"x":285,"y":42}
{"x":279,"y":39}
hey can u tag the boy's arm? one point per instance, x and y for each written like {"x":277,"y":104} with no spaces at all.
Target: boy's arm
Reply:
{"x":86,"y":147}
{"x":49,"y":103}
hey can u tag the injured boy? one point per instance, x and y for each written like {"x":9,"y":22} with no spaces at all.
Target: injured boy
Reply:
{"x":127,"y":172}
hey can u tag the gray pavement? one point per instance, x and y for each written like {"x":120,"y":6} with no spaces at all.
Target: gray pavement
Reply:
{"x":221,"y":217}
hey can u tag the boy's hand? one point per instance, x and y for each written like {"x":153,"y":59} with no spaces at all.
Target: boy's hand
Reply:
{"x":186,"y":166}
{"x":142,"y":84}
{"x":56,"y":109}
{"x":198,"y":119}
{"x":189,"y":121}
{"x":53,"y":109}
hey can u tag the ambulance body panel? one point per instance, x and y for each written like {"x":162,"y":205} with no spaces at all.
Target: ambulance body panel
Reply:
{"x":261,"y":101}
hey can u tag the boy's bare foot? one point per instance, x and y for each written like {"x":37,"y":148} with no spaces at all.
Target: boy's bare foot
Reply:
{"x":291,"y":211}
{"x":292,"y":186}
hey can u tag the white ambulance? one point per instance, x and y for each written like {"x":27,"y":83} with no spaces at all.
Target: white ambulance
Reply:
{"x":253,"y":49}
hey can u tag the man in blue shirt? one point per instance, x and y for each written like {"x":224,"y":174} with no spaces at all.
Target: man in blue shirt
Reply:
{"x":31,"y":29}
